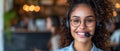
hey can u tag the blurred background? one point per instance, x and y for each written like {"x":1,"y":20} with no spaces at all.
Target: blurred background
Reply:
{"x":24,"y":24}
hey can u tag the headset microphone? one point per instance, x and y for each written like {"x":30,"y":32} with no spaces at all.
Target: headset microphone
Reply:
{"x":87,"y":34}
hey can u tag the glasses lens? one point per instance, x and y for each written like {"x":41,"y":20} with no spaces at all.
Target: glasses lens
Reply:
{"x":76,"y":22}
{"x":89,"y":22}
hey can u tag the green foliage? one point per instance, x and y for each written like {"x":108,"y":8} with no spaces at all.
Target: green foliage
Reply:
{"x":8,"y":16}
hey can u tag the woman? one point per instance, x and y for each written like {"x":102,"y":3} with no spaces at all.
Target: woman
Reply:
{"x":84,"y":27}
{"x":53,"y":24}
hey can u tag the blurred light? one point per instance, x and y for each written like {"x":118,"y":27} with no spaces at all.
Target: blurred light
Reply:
{"x":61,"y":2}
{"x":117,"y":5}
{"x":114,"y":13}
{"x":37,"y":8}
{"x":31,"y":8}
{"x":26,"y":7}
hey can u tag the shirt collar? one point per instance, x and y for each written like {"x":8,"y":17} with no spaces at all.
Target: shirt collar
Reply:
{"x":94,"y":48}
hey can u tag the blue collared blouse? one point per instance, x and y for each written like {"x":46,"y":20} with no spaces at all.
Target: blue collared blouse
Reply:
{"x":70,"y":48}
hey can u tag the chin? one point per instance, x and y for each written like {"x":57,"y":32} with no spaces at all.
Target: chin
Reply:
{"x":85,"y":40}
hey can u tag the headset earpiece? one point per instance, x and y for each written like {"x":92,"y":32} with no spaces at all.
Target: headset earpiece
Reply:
{"x":67,"y":23}
{"x":68,"y":18}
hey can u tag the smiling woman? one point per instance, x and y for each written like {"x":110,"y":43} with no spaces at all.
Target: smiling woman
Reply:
{"x":85,"y":14}
{"x":84,"y":27}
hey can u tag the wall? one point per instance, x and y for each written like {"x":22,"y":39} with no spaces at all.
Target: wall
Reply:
{"x":1,"y":24}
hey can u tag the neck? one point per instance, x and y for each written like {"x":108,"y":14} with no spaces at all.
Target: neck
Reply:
{"x":80,"y":46}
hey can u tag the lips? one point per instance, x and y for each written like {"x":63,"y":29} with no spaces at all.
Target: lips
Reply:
{"x":81,"y":34}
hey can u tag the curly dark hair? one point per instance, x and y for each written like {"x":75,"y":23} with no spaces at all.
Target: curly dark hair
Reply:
{"x":103,"y":11}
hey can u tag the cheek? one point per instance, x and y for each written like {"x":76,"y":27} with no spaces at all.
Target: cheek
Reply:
{"x":92,"y":29}
{"x":72,"y":29}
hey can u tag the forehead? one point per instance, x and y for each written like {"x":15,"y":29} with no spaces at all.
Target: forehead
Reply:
{"x":82,"y":10}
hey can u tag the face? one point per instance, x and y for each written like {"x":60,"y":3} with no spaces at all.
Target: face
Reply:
{"x":82,"y":20}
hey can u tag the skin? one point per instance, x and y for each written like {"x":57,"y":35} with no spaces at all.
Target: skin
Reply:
{"x":81,"y":42}
{"x":49,"y":26}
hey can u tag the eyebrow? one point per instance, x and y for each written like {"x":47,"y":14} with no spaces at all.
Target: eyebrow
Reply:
{"x":86,"y":16}
{"x":76,"y":17}
{"x":90,"y":16}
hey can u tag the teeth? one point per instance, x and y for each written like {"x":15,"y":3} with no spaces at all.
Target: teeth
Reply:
{"x":81,"y":33}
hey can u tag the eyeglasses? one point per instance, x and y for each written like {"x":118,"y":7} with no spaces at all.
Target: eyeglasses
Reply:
{"x":77,"y":22}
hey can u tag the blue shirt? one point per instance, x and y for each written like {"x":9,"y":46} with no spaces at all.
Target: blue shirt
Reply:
{"x":70,"y":48}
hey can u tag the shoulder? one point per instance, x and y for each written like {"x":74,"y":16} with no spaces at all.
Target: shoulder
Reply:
{"x":99,"y":49}
{"x":117,"y":31}
{"x":67,"y":48}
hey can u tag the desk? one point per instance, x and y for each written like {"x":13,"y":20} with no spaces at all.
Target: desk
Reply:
{"x":25,"y":41}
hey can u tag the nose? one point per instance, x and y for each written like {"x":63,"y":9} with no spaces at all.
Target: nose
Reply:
{"x":82,"y":25}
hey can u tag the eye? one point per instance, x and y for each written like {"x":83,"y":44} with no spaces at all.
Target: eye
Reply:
{"x":89,"y":20}
{"x":76,"y":21}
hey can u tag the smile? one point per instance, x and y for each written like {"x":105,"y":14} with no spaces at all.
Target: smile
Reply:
{"x":81,"y":34}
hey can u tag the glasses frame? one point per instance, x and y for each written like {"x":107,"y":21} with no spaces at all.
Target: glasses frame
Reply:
{"x":87,"y":24}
